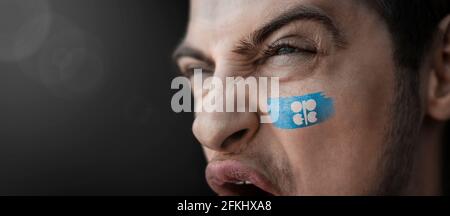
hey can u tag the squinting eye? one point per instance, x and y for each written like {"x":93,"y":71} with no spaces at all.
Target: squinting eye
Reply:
{"x":286,"y":50}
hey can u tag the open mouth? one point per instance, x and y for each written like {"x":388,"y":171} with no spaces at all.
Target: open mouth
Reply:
{"x":233,"y":178}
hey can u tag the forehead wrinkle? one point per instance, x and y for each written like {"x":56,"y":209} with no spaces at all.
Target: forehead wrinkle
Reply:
{"x":214,"y":19}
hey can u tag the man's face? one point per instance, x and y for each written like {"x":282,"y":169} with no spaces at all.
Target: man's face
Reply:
{"x":340,"y":48}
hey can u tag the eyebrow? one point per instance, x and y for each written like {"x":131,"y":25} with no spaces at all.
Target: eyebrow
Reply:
{"x":256,"y":38}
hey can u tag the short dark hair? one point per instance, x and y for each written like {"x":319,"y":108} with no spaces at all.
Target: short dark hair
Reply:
{"x":412,"y":24}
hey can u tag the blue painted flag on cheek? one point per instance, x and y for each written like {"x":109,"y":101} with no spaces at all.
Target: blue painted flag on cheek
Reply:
{"x":300,"y":111}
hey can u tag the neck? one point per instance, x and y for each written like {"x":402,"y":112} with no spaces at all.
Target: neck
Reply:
{"x":426,"y":171}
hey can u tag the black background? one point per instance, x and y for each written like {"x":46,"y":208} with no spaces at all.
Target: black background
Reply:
{"x":118,"y":137}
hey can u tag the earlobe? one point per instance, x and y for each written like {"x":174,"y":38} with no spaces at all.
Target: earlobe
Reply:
{"x":439,"y":81}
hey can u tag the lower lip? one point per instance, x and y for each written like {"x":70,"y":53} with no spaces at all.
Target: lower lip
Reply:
{"x":221,"y":172}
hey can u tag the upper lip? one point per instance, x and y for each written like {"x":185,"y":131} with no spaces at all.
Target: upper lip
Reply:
{"x":222,"y":177}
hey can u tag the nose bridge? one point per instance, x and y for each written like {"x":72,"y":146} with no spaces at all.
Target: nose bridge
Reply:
{"x":227,"y":92}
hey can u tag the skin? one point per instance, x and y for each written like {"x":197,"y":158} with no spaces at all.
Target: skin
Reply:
{"x":346,"y":154}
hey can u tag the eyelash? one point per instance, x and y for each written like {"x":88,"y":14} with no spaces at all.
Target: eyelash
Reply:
{"x":273,"y":50}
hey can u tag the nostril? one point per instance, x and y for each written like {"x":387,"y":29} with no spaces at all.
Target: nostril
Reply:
{"x":235,"y":137}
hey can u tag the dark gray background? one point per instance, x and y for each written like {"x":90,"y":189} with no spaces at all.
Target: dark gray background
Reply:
{"x":89,"y":112}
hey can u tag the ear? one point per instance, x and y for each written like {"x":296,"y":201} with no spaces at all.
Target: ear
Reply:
{"x":439,"y":82}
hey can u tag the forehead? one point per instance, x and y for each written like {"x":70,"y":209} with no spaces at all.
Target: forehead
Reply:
{"x":225,"y":21}
{"x":220,"y":10}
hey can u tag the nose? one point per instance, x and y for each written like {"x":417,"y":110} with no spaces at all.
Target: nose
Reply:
{"x":228,"y":132}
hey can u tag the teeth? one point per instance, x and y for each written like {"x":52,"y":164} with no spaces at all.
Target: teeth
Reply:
{"x":243,"y":182}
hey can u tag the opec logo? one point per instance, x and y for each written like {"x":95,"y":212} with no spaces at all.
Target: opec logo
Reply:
{"x":300,"y":111}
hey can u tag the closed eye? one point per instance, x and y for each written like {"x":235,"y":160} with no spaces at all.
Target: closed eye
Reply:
{"x":286,"y":49}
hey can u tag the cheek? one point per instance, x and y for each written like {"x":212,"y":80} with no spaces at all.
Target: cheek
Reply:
{"x":341,"y":155}
{"x":342,"y":151}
